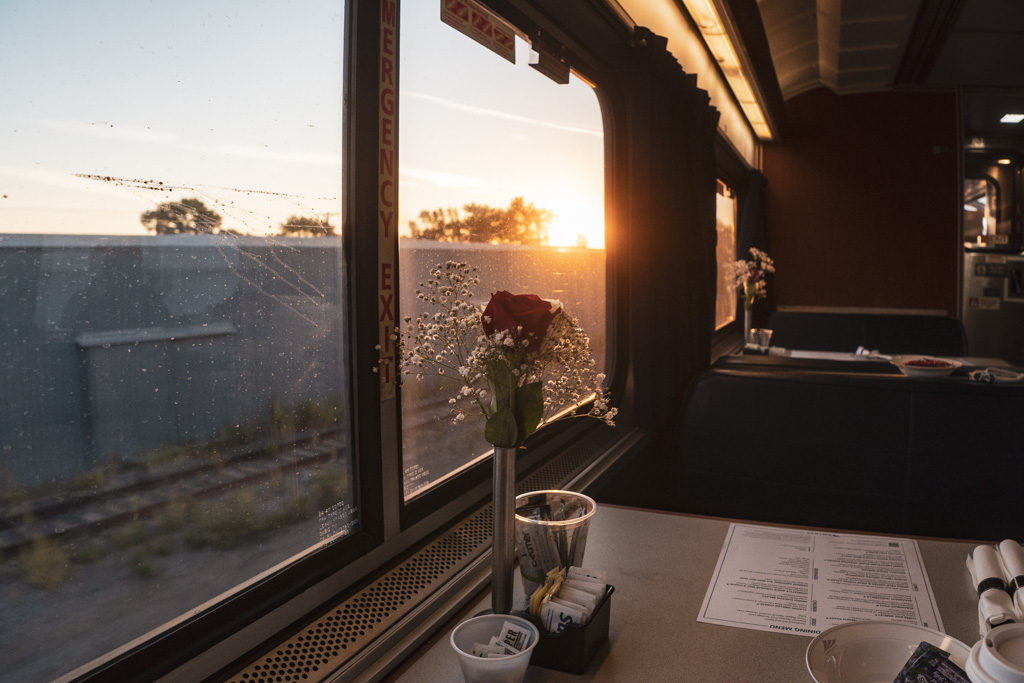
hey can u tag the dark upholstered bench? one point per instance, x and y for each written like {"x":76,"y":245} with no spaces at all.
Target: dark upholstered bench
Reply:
{"x":927,"y":334}
{"x":940,"y":457}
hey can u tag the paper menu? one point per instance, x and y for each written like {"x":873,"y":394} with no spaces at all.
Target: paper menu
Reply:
{"x":803,"y":582}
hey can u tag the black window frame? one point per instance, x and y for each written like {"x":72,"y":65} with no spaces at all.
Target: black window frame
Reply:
{"x":546,"y":442}
{"x":219,"y":635}
{"x":734,"y":172}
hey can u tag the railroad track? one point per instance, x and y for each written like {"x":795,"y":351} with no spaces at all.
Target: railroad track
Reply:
{"x":130,"y":495}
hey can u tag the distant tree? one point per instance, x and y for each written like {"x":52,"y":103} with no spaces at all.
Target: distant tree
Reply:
{"x":444,"y":225}
{"x":520,"y":223}
{"x":307,"y":226}
{"x":187,"y":217}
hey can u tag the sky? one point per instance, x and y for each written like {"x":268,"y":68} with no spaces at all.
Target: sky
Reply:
{"x":113,"y":107}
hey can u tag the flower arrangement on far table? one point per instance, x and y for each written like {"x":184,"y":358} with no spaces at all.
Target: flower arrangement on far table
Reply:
{"x":521,"y":361}
{"x":750,"y":274}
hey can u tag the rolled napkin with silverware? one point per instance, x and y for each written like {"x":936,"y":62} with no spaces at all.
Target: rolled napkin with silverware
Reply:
{"x":1012,"y":556}
{"x":995,"y":607}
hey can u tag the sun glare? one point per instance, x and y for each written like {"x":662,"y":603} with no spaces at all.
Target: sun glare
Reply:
{"x":578,"y":222}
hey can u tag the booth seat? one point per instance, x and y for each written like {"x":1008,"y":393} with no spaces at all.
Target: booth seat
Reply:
{"x":940,"y":457}
{"x":925,"y":334}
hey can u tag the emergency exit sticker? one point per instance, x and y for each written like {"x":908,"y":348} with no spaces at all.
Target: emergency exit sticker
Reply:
{"x":480,"y":24}
{"x":984,"y":303}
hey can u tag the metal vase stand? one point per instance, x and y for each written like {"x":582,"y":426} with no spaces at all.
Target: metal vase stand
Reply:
{"x":503,"y":509}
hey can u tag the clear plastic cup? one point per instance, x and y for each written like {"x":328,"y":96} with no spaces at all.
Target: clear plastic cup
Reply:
{"x":551,"y":532}
{"x":999,"y":656}
{"x":762,"y":337}
{"x":510,"y":669}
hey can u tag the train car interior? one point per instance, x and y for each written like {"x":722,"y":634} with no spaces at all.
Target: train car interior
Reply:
{"x":299,"y":297}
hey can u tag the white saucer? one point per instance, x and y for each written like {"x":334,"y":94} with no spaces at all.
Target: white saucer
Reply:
{"x":873,"y":651}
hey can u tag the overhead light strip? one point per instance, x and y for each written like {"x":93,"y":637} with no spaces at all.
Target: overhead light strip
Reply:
{"x":721,"y":43}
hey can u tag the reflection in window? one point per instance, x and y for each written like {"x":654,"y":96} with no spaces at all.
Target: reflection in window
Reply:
{"x":174,"y":419}
{"x":991,"y":187}
{"x":725,"y":299}
{"x":503,"y":169}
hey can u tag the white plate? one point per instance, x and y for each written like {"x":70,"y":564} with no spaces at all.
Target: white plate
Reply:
{"x":873,"y":651}
{"x":947,"y":368}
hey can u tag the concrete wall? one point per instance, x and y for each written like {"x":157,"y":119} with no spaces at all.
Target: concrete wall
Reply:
{"x":115,"y":346}
{"x":433,"y":447}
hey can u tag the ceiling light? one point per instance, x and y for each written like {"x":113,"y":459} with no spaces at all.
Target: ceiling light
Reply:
{"x":1012,"y":118}
{"x":716,"y":31}
{"x":1004,"y":162}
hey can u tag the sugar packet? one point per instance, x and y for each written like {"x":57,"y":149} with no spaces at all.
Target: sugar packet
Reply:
{"x":512,"y":640}
{"x":492,"y":649}
{"x":591,"y":575}
{"x":594,"y":588}
{"x":515,"y":636}
{"x":587,"y":600}
{"x":568,"y":597}
{"x":552,"y":583}
{"x":929,"y":664}
{"x":556,"y":617}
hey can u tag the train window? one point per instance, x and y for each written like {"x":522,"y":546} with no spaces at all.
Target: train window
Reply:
{"x":503,"y":169}
{"x":725,"y":298}
{"x":174,"y":420}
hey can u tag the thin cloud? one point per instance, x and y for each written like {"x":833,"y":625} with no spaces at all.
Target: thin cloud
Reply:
{"x":482,"y":111}
{"x":103,"y":129}
{"x":294,"y":156}
{"x":443,"y":178}
{"x":109,"y":131}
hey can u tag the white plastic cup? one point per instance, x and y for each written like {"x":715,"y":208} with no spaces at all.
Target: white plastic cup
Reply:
{"x":999,"y":656}
{"x":510,"y":669}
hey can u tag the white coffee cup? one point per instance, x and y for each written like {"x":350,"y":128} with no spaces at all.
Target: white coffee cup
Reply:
{"x":511,"y":669}
{"x":999,"y":656}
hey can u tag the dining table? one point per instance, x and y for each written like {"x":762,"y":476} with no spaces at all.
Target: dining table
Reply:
{"x":858,"y":362}
{"x":660,"y":564}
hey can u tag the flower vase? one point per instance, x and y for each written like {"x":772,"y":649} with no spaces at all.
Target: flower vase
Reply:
{"x":503,"y":513}
{"x":747,"y":338}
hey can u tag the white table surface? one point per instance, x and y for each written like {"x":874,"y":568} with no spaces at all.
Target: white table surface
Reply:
{"x":972,"y":361}
{"x":660,"y":564}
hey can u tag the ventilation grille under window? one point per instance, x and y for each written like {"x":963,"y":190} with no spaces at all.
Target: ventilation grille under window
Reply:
{"x":326,"y":644}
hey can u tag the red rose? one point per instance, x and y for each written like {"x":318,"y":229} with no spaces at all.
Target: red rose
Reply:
{"x":510,"y":312}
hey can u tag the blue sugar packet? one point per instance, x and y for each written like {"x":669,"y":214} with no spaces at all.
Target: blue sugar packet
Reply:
{"x":929,"y":664}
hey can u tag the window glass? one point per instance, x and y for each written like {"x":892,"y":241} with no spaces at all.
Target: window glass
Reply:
{"x":725,"y":299}
{"x":174,"y":415}
{"x":991,"y":184}
{"x":981,"y":205}
{"x":503,"y":169}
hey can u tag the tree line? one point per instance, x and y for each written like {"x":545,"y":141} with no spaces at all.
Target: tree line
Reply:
{"x":520,"y":223}
{"x":193,"y":217}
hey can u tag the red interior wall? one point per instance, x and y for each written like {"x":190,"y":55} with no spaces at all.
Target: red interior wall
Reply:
{"x":862,"y":202}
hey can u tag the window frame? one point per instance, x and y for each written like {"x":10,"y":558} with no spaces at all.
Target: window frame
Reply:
{"x":468,"y":486}
{"x":214,"y":627}
{"x":222,"y":633}
{"x":734,"y":172}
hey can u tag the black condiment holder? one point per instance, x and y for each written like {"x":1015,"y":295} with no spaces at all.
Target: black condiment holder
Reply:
{"x":572,"y":650}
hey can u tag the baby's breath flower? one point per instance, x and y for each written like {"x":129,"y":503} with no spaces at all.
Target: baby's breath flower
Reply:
{"x":450,"y":342}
